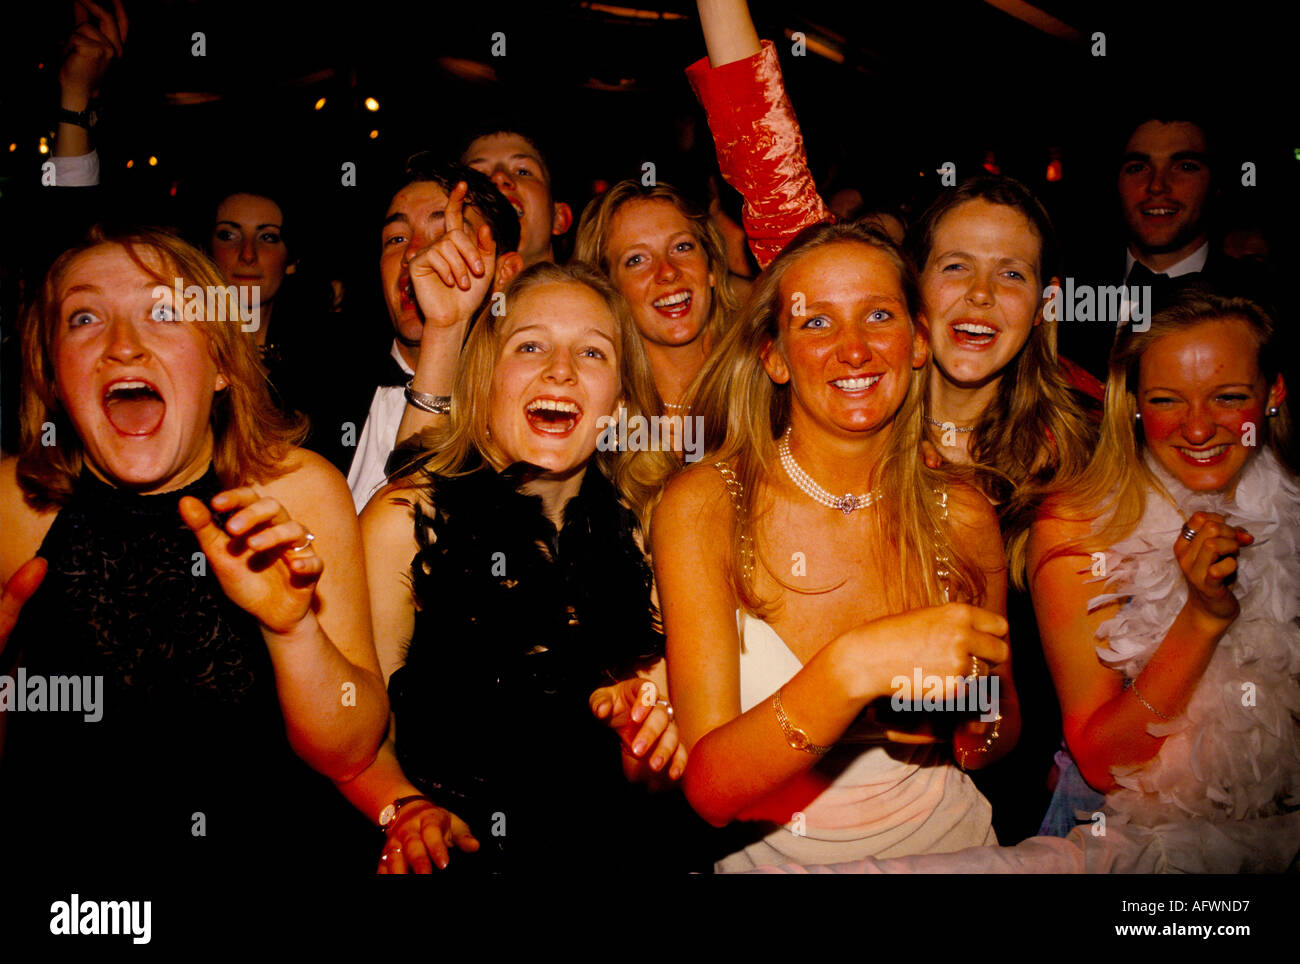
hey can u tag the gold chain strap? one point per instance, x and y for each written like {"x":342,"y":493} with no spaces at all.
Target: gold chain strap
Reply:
{"x":736,"y":490}
{"x":942,"y":568}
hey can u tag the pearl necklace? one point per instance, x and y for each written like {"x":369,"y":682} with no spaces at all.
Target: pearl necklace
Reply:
{"x":845,"y":503}
{"x":946,"y":425}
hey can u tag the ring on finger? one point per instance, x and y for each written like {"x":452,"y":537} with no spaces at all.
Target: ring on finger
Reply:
{"x":668,"y":707}
{"x":307,"y":540}
{"x":1188,"y":532}
{"x":974,"y":665}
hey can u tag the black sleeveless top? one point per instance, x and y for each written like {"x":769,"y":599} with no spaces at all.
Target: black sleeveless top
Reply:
{"x":516,"y":624}
{"x":188,"y":765}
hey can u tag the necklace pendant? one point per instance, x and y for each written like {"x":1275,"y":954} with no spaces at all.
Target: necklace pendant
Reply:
{"x":847,"y":504}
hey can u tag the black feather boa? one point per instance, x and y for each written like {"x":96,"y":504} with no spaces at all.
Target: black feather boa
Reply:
{"x":516,"y":624}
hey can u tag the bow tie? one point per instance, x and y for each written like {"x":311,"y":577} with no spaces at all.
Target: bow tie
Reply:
{"x":1140,"y":274}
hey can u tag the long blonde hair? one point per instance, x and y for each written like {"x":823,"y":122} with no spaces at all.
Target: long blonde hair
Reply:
{"x":1116,"y":482}
{"x":456,"y":448}
{"x":745,"y":413}
{"x":251,"y":438}
{"x":1036,"y":430}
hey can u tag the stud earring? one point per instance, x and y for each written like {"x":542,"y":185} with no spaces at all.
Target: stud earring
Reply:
{"x":1272,"y":412}
{"x":1137,"y":417}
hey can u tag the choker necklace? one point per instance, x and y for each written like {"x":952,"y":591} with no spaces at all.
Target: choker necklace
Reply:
{"x":676,"y":407}
{"x":845,"y":503}
{"x":946,"y":425}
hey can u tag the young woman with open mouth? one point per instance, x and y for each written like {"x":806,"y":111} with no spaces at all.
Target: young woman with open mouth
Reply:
{"x":511,"y":594}
{"x":667,"y":258}
{"x":792,"y":610}
{"x":204,"y":568}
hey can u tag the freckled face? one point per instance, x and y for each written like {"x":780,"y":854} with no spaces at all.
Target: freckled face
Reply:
{"x":247,"y":244}
{"x":556,"y":375}
{"x":660,"y":266}
{"x":1198,"y":390}
{"x":982,"y":290}
{"x":136,"y":384}
{"x":849,"y":356}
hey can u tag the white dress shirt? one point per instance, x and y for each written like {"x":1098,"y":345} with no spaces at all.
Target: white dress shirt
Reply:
{"x":378,"y":438}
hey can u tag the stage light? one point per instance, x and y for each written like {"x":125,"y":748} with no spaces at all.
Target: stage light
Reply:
{"x":374,"y":134}
{"x":43,"y":146}
{"x":153,"y":161}
{"x":320,"y":103}
{"x":130,"y":164}
{"x":371,"y":104}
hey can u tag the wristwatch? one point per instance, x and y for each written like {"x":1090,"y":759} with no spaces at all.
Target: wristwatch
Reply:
{"x":389,"y":813}
{"x":794,"y":736}
{"x":87,"y":118}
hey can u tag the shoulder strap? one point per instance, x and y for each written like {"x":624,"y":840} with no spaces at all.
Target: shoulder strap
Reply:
{"x":736,"y":489}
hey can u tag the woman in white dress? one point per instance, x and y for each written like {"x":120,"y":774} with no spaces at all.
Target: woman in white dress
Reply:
{"x":790,"y":611}
{"x":1167,"y":591}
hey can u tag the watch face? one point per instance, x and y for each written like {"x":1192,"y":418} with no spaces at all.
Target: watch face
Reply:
{"x":386,"y":815}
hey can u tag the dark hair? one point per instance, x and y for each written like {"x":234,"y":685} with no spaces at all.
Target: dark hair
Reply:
{"x":996,"y":189}
{"x":483,"y":195}
{"x":1166,"y":112}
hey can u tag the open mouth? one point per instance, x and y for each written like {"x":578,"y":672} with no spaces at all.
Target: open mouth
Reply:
{"x":675,"y":305}
{"x":406,"y":292}
{"x":858,"y":383}
{"x":1209,"y":456}
{"x":553,"y":416}
{"x":517,"y":205}
{"x":973,"y":334}
{"x":134,"y":407}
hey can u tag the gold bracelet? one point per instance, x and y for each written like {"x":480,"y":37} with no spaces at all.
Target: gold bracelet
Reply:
{"x":795,"y":737}
{"x":1133,"y":685}
{"x":988,"y":743}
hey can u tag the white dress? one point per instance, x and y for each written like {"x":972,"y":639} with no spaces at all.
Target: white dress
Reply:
{"x":1223,"y":793}
{"x":885,"y":799}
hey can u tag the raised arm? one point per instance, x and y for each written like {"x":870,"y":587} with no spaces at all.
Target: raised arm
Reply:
{"x":755,"y":131}
{"x":1105,"y":723}
{"x":738,"y":760}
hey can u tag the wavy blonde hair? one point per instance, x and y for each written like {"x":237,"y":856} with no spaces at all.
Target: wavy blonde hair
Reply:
{"x":745,"y":413}
{"x":455,"y":448}
{"x":1036,"y":430}
{"x":1116,"y":482}
{"x":598,"y":220}
{"x":250,"y":437}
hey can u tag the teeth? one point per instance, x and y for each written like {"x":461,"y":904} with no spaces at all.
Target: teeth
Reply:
{"x":553,"y":405}
{"x":975,"y":329}
{"x":519,"y":208}
{"x":1158,"y":211}
{"x":128,"y":387}
{"x":670,"y":300}
{"x":856,"y":384}
{"x":1205,"y":455}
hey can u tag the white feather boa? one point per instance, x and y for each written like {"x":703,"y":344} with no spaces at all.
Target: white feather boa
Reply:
{"x":1234,"y":754}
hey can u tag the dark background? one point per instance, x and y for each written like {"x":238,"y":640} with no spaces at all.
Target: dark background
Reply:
{"x":919,"y":84}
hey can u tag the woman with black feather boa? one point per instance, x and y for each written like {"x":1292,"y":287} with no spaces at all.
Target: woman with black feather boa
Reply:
{"x":513,"y":600}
